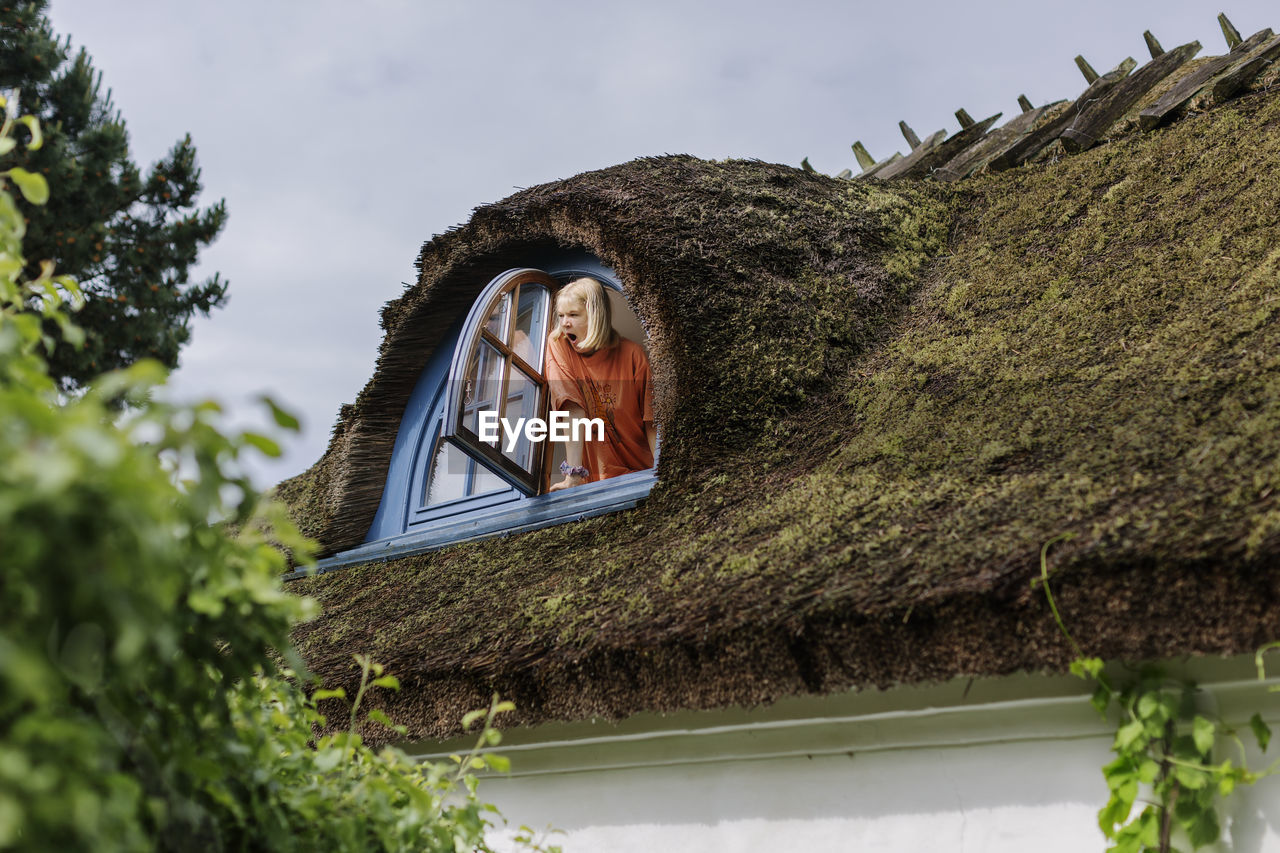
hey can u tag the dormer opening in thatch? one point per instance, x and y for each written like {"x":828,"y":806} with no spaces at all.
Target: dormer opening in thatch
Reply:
{"x":447,"y":483}
{"x":750,"y":285}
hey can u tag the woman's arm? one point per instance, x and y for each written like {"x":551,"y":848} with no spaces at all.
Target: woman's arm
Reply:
{"x":572,"y":451}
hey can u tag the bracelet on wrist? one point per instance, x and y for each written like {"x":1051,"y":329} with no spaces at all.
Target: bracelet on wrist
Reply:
{"x":574,"y":470}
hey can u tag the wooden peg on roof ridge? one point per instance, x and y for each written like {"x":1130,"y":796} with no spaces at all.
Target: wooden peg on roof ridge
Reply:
{"x":1152,"y":44}
{"x":1124,"y":67}
{"x":807,"y":166}
{"x":881,"y":166}
{"x":845,"y":175}
{"x":964,"y":118}
{"x":1086,"y":69}
{"x":1025,"y":103}
{"x":1230,"y":33}
{"x":865,"y":160}
{"x":912,"y":139}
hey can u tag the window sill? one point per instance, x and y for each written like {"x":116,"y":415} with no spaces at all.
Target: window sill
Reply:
{"x":614,"y":495}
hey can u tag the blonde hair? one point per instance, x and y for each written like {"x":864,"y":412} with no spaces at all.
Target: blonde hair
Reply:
{"x":588,"y":291}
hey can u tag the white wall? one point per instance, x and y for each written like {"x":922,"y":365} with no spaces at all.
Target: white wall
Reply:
{"x":967,"y":799}
{"x":973,"y":767}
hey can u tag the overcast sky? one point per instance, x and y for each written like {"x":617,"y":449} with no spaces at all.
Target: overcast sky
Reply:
{"x":343,"y":135}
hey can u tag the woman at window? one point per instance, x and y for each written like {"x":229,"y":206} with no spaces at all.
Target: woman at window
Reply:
{"x":594,"y":372}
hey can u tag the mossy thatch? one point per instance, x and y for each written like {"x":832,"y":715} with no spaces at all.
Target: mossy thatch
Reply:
{"x":725,"y":264}
{"x":861,"y":499}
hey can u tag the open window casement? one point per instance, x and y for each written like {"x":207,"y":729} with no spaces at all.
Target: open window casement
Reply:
{"x":496,"y":375}
{"x":444,"y":484}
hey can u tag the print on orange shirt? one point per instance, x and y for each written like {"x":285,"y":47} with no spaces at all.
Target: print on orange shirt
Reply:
{"x":615,"y":385}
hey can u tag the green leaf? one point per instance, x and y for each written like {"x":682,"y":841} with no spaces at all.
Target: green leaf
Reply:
{"x":7,"y":144}
{"x":71,"y":333}
{"x":1116,"y":811}
{"x":1226,"y":784}
{"x":206,"y":768}
{"x":34,"y":187}
{"x":1261,"y":731}
{"x":323,"y":694}
{"x":282,"y":417}
{"x":1117,"y":771}
{"x":469,"y":718}
{"x":502,"y":707}
{"x":1128,"y":734}
{"x":202,"y":601}
{"x":1202,"y":732}
{"x":264,"y":444}
{"x":1129,"y":843}
{"x":1086,"y":667}
{"x":1100,"y":699}
{"x":500,"y":763}
{"x":328,"y":759}
{"x":33,"y":127}
{"x":1148,"y":828}
{"x":1205,"y":829}
{"x":1184,"y":749}
{"x":1190,"y":777}
{"x":378,"y":716}
{"x":389,"y":681}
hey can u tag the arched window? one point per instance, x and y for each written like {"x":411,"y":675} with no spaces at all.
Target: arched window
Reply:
{"x":446,"y":483}
{"x":496,"y":373}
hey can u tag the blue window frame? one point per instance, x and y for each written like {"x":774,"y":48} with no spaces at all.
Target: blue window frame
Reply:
{"x":487,"y":492}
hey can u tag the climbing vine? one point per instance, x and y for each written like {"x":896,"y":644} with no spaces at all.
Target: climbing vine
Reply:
{"x":1165,"y":745}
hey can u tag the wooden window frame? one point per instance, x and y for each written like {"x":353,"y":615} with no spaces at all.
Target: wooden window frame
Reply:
{"x":529,"y":481}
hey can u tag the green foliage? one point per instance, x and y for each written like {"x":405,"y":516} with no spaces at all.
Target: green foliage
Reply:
{"x":1164,"y":746}
{"x":130,"y":240}
{"x":144,"y":699}
{"x":337,"y":793}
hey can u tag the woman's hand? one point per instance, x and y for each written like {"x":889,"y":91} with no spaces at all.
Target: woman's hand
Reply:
{"x":567,"y":483}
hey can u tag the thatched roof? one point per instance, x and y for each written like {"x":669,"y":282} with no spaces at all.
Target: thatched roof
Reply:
{"x":863,"y":449}
{"x":723,"y":262}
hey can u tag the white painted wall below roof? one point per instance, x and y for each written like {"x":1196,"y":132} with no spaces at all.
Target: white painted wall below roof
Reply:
{"x":989,"y":766}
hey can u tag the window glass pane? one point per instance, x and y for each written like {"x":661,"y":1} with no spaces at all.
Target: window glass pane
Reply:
{"x":455,"y":475}
{"x":483,"y":384}
{"x":483,"y":480}
{"x":522,"y":402}
{"x":497,"y":322}
{"x":531,"y":321}
{"x":448,"y":478}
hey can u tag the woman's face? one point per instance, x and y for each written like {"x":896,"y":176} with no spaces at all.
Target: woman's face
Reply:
{"x":571,"y":314}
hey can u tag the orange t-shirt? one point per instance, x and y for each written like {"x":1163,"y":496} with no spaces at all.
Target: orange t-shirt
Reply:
{"x":612,"y":384}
